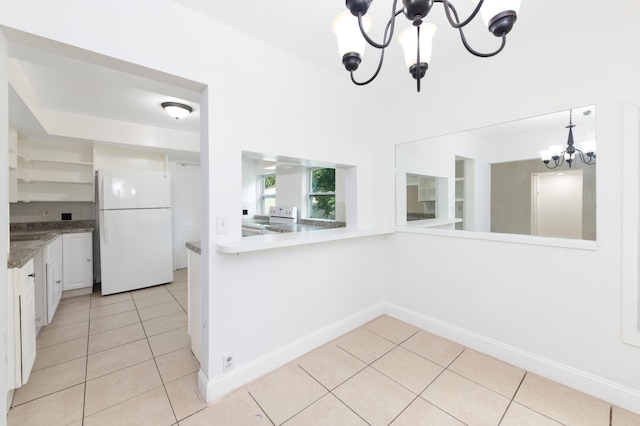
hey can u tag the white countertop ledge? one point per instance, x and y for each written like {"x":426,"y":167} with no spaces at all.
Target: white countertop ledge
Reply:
{"x":290,"y":239}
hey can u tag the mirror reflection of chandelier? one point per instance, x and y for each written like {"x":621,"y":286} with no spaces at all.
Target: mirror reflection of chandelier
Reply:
{"x":351,"y":29}
{"x":559,"y":153}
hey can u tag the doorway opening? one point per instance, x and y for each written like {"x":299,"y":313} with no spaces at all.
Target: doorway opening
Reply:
{"x":556,"y":204}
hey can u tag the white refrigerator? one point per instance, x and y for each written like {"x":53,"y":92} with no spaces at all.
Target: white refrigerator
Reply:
{"x":134,"y":223}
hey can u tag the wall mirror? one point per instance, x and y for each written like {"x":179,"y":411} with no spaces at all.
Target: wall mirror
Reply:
{"x":493,"y":179}
{"x":426,"y":197}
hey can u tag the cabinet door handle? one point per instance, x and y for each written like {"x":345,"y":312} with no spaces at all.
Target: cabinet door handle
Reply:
{"x":88,"y":260}
{"x":58,"y":282}
{"x":32,"y":275}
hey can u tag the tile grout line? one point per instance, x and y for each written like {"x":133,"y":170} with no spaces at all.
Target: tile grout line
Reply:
{"x":330,"y":391}
{"x":88,"y":338}
{"x":89,"y":300}
{"x":260,"y":407}
{"x":153,"y":357}
{"x":86,"y":363}
{"x":512,"y":398}
{"x":155,"y":362}
{"x":370,"y":365}
{"x":397,"y":345}
{"x":611,"y":415}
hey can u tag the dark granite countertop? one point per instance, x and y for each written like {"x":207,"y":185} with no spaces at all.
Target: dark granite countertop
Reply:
{"x":301,"y":226}
{"x":194,"y":246}
{"x":33,"y":236}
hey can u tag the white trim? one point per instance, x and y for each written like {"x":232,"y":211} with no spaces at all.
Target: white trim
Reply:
{"x":607,"y":390}
{"x":290,"y":239}
{"x":214,"y":389}
{"x":630,"y":240}
{"x":591,"y":384}
{"x":505,"y":238}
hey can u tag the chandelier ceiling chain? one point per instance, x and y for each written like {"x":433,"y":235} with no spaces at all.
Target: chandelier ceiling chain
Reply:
{"x":351,"y":28}
{"x":555,"y":153}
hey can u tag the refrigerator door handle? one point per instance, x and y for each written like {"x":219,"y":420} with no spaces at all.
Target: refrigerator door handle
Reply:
{"x":102,"y":191}
{"x":105,"y":231}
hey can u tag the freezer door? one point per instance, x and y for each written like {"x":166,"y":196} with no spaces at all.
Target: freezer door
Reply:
{"x":128,"y":189}
{"x":135,"y":249}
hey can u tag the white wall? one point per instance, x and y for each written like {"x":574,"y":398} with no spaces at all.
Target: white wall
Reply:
{"x":34,"y":211}
{"x":256,"y":303}
{"x":187,"y":204}
{"x":4,"y":216}
{"x":266,"y":306}
{"x":556,"y":311}
{"x":107,"y":157}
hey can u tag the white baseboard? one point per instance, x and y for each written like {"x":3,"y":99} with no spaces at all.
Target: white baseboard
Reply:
{"x":216,"y":388}
{"x":10,"y":398}
{"x":604,"y":389}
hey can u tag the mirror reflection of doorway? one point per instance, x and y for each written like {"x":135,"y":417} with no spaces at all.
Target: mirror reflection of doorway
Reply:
{"x":556,"y":204}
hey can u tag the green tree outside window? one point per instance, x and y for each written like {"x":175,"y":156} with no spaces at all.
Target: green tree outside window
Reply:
{"x":322,"y":194}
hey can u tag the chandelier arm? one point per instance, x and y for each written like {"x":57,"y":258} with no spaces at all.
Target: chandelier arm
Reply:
{"x":455,"y":23}
{"x":586,"y":159}
{"x":561,"y":162}
{"x":392,"y":23}
{"x":375,"y":74}
{"x":480,"y":54}
{"x":418,"y":57}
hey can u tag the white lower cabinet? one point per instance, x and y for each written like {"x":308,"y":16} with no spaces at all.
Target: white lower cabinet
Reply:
{"x":48,"y":266}
{"x":195,"y":317}
{"x":21,"y":353}
{"x":77,"y":257}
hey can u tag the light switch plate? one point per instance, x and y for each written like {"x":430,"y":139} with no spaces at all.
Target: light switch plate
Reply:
{"x":222,"y":226}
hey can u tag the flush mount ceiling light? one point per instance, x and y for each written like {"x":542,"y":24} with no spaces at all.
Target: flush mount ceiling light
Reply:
{"x":176,"y":109}
{"x":559,"y":156}
{"x":351,"y":29}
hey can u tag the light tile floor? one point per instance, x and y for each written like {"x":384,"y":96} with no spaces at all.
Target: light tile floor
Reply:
{"x":125,"y":360}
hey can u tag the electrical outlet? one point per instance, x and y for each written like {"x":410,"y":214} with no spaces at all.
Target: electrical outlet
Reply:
{"x":227,"y":363}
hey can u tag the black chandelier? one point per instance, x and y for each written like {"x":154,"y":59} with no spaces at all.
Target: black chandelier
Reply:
{"x":351,"y":29}
{"x":559,"y":154}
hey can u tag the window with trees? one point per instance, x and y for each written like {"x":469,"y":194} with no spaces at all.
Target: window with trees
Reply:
{"x":268,"y":193}
{"x":322,"y":193}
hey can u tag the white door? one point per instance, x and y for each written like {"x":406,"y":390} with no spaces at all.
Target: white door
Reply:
{"x":186,"y":201}
{"x":557,"y":204}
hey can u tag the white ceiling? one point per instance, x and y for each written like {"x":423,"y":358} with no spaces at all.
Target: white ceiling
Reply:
{"x":76,"y":83}
{"x":303,"y":28}
{"x":80,"y":84}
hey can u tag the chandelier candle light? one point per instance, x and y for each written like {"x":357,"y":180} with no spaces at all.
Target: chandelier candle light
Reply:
{"x":351,"y":29}
{"x":559,"y":156}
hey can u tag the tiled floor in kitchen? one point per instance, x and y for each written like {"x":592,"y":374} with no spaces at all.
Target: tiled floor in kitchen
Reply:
{"x":125,"y":360}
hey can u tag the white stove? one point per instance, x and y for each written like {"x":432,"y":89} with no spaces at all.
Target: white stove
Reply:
{"x":286,"y":215}
{"x":277,"y":216}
